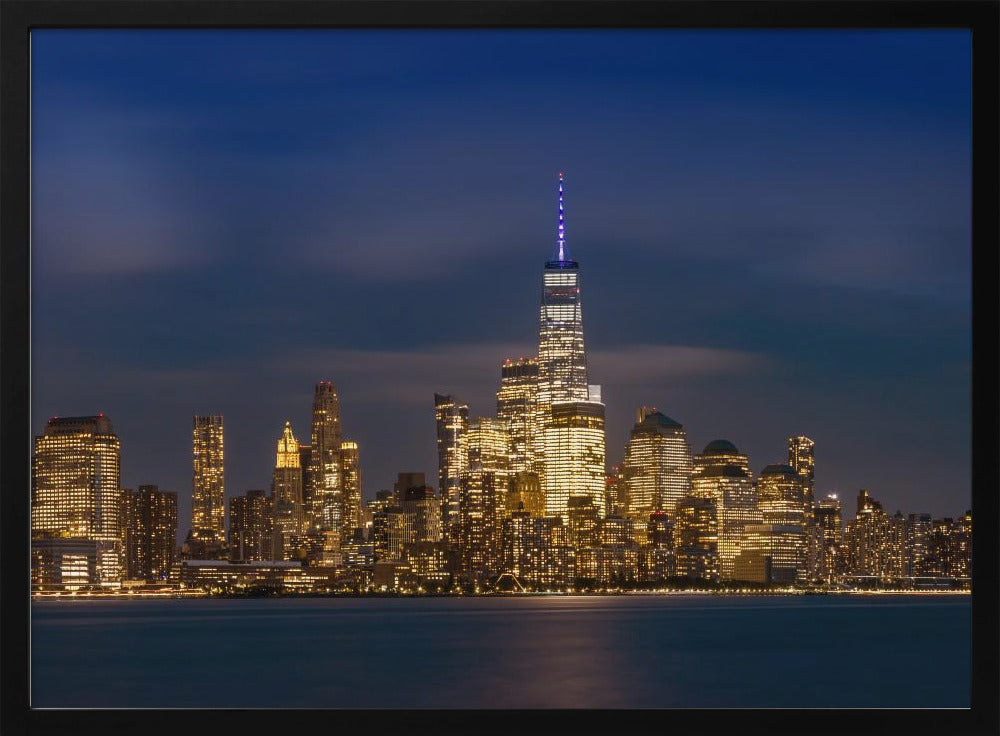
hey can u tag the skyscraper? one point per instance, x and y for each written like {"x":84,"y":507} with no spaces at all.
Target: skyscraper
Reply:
{"x":251,"y":527}
{"x":350,"y":488}
{"x":208,"y":504}
{"x":75,"y":491}
{"x":484,"y":486}
{"x":829,"y":531}
{"x":149,"y":531}
{"x":562,"y":363}
{"x":657,"y":467}
{"x":723,"y":478}
{"x":696,"y":535}
{"x":517,"y":407}
{"x":573,"y":446}
{"x":452,"y":420}
{"x":324,"y":472}
{"x":289,"y":516}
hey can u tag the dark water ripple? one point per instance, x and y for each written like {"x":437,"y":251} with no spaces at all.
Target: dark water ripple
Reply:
{"x":535,"y":652}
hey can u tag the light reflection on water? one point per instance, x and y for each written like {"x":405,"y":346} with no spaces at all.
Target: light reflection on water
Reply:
{"x":533,"y":652}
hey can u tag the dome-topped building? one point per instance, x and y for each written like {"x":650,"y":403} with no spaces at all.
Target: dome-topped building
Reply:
{"x":721,"y":453}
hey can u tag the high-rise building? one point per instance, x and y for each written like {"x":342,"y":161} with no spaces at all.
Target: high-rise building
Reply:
{"x":422,"y":509}
{"x":562,"y":363}
{"x":802,"y":458}
{"x":525,"y":494}
{"x":918,"y":533}
{"x":869,"y":538}
{"x":149,"y":532}
{"x":829,"y":527}
{"x":251,"y":527}
{"x":536,"y":552}
{"x":517,"y":408}
{"x":484,"y":486}
{"x":696,"y":538}
{"x":779,"y":493}
{"x":724,"y":479}
{"x":324,"y":472}
{"x":286,"y":487}
{"x":208,"y":503}
{"x":350,"y":488}
{"x":452,"y":420}
{"x":583,"y":518}
{"x":657,"y":467}
{"x":573,"y":443}
{"x":76,"y":492}
{"x":771,"y":553}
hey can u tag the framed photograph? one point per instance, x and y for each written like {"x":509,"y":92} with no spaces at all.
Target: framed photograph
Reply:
{"x":500,"y":365}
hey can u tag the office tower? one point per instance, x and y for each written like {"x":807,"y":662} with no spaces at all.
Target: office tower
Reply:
{"x":536,"y":552}
{"x":918,"y":532}
{"x":771,"y":553}
{"x":452,"y":420}
{"x":724,"y":479}
{"x":324,"y":472}
{"x":779,"y":494}
{"x":961,"y":561}
{"x":405,"y":481}
{"x":696,"y":538}
{"x":562,"y":364}
{"x":657,"y":560}
{"x":573,"y":445}
{"x":422,"y":510}
{"x":75,"y":492}
{"x":525,"y":494}
{"x":829,"y":526}
{"x":802,"y":458}
{"x":208,"y":503}
{"x":149,"y":531}
{"x":517,"y":408}
{"x":868,"y":538}
{"x":251,"y":527}
{"x":350,"y":488}
{"x":582,"y":520}
{"x":720,"y":452}
{"x":615,"y":492}
{"x":657,"y":466}
{"x":483,"y":496}
{"x":286,"y":487}
{"x":390,"y":533}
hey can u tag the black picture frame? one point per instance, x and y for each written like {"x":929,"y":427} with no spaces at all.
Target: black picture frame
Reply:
{"x":19,"y":17}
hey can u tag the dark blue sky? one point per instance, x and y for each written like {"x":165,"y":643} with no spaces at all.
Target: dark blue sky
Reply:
{"x":773,"y":230}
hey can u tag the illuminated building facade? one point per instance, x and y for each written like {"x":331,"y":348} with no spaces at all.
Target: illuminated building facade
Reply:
{"x":802,"y":459}
{"x":723,"y":478}
{"x":63,"y":563}
{"x":75,"y":489}
{"x":720,"y":453}
{"x":870,"y":540}
{"x":452,"y":419}
{"x":779,"y":495}
{"x":525,"y":494}
{"x":829,"y":527}
{"x":149,"y":532}
{"x":286,"y":487}
{"x":696,"y":536}
{"x":422,"y":512}
{"x":251,"y":527}
{"x":918,"y":533}
{"x":582,"y":521}
{"x":536,"y":552}
{"x":771,"y":553}
{"x":208,"y":502}
{"x":324,"y":472}
{"x":517,"y":408}
{"x":657,"y":560}
{"x":350,"y":488}
{"x":573,"y":445}
{"x":657,"y":466}
{"x":483,"y":497}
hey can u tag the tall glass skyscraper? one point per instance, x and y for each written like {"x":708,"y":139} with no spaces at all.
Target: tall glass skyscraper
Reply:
{"x":517,"y":408}
{"x":452,"y":419}
{"x":570,"y":453}
{"x":75,"y":488}
{"x":208,"y":506}
{"x":324,"y":472}
{"x":657,"y":467}
{"x":289,"y":517}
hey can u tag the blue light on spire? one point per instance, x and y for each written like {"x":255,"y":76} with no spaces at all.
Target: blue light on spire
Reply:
{"x":562,"y":225}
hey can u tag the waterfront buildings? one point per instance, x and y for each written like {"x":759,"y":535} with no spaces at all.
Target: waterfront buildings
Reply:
{"x":350,"y":489}
{"x":76,"y":495}
{"x":525,"y":494}
{"x":829,"y":531}
{"x":483,"y":495}
{"x":696,"y":535}
{"x":657,"y":466}
{"x":208,"y":510}
{"x":535,"y":552}
{"x":573,"y":450}
{"x":149,"y":531}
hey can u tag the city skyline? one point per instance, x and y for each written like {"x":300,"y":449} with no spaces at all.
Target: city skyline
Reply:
{"x":755,"y":378}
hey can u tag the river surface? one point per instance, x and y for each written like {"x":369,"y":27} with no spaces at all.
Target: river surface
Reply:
{"x":670,"y":651}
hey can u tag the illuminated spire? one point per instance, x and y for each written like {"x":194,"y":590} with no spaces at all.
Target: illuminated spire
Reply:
{"x":562,"y":226}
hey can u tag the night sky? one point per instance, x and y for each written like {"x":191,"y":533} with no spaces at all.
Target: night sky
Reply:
{"x":773,"y":231}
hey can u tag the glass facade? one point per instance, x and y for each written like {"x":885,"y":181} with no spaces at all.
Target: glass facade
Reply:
{"x":208,"y":510}
{"x":517,"y":407}
{"x":324,"y":474}
{"x":452,"y":418}
{"x":573,"y":444}
{"x":657,"y":469}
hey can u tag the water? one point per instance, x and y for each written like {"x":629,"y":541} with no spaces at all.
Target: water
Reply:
{"x":534,"y":652}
